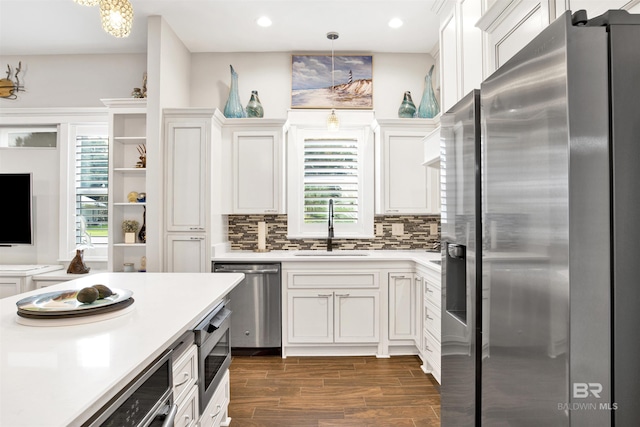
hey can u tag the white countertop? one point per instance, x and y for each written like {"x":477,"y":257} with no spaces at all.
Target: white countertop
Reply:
{"x":24,"y":270}
{"x":421,"y":257}
{"x":61,"y":375}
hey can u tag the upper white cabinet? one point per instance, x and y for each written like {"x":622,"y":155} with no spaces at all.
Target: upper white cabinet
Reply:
{"x":256,"y":171}
{"x":403,"y":184}
{"x":187,"y":152}
{"x":461,"y":48}
{"x":127,"y":134}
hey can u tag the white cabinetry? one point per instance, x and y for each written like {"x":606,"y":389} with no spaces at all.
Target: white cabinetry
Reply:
{"x":328,"y":316}
{"x":402,"y":306}
{"x":127,"y":133}
{"x":461,"y":48}
{"x":216,"y":412}
{"x":404,"y":186}
{"x":12,"y":286}
{"x":256,"y":171}
{"x":431,"y":324}
{"x":188,"y":187}
{"x":185,"y":388}
{"x":331,"y":311}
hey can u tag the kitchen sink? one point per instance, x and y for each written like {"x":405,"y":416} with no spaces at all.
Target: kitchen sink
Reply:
{"x":332,"y":253}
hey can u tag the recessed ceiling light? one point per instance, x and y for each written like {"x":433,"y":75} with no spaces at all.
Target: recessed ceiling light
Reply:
{"x":396,"y":23}
{"x":264,"y":21}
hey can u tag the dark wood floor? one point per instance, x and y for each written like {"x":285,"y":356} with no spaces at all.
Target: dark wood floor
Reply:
{"x":332,"y":391}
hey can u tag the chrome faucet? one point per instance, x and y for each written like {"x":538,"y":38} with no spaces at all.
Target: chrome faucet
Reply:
{"x":330,"y":225}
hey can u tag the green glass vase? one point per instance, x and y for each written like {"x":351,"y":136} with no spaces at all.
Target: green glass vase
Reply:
{"x":233,"y":108}
{"x":429,"y":107}
{"x":254,"y":107}
{"x":407,"y":109}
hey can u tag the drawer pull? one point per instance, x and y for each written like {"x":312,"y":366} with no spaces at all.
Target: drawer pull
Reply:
{"x":219,"y":409}
{"x":429,"y":290}
{"x":325,"y":295}
{"x":187,"y":419}
{"x":429,"y":350}
{"x":184,"y":381}
{"x":342,"y":295}
{"x":429,"y":317}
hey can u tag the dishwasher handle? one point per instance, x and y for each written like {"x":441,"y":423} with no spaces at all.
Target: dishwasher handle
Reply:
{"x":263,"y":271}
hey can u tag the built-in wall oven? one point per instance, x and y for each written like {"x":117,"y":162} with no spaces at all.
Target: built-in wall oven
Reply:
{"x":146,"y":402}
{"x":214,"y":352}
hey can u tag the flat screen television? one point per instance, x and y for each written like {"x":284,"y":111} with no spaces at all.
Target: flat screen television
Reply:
{"x":16,"y":227}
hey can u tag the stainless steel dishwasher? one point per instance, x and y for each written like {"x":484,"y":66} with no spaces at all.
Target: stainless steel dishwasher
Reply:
{"x":256,"y":323}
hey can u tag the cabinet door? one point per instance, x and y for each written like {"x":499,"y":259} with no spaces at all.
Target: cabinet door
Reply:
{"x":470,"y":45}
{"x":402,"y":311}
{"x":10,"y":286}
{"x":357,"y":315}
{"x":405,"y":179}
{"x":256,"y":172}
{"x":310,"y":317}
{"x":187,"y":253}
{"x":449,"y":62}
{"x":186,"y":156}
{"x":517,"y":29}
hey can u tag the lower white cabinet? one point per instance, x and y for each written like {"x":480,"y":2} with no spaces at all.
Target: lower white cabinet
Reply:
{"x":333,"y":316}
{"x":216,"y":412}
{"x":187,"y":253}
{"x":11,"y":286}
{"x":185,"y":387}
{"x":402,"y":306}
{"x":431,"y":303}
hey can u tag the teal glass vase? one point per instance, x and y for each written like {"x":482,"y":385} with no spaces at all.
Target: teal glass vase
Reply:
{"x":254,"y":107}
{"x":233,"y":108}
{"x":429,"y":107}
{"x":407,"y":109}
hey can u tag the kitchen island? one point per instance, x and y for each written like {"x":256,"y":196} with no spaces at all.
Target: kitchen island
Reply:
{"x":62,"y":375}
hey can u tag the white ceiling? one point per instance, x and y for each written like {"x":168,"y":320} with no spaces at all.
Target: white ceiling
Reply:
{"x":35,"y":27}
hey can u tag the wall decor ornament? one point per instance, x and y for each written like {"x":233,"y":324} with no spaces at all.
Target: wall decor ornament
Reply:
{"x":350,"y":85}
{"x":130,"y":228}
{"x":142,"y":234}
{"x":254,"y":107}
{"x":9,"y":87}
{"x":142,"y":150}
{"x":233,"y":108}
{"x":429,"y":107}
{"x":407,"y":108}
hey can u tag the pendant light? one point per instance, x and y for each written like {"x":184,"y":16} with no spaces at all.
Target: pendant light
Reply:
{"x":117,"y":17}
{"x":333,"y":123}
{"x":87,"y":2}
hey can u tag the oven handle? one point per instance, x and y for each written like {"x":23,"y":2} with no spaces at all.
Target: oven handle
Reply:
{"x":218,"y":320}
{"x":170,"y":420}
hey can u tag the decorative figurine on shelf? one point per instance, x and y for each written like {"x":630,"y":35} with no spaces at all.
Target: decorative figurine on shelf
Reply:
{"x":142,"y":163}
{"x":137,"y":93}
{"x":130,"y":228}
{"x":144,"y":85}
{"x":9,"y":88}
{"x":142,"y":197}
{"x":233,"y":108}
{"x":429,"y":107}
{"x":77,"y":265}
{"x":142,"y":234}
{"x":132,"y":197}
{"x":143,"y":264}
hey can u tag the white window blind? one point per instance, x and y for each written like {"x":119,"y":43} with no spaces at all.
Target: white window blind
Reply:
{"x":331,"y":172}
{"x":91,"y":185}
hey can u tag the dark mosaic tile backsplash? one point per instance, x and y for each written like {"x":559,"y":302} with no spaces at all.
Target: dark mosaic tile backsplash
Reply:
{"x":243,"y":234}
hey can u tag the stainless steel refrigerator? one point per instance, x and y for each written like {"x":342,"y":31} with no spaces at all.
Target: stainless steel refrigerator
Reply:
{"x":541,"y":234}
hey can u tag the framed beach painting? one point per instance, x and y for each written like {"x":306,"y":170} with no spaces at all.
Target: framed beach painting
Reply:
{"x":312,"y":85}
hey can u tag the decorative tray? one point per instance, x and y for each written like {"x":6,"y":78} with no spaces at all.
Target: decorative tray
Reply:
{"x":64,"y":303}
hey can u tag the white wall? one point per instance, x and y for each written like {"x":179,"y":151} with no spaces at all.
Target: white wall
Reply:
{"x":74,"y":80}
{"x":270,"y":75}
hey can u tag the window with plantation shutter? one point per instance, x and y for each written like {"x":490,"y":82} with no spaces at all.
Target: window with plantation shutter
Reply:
{"x":324,"y":166}
{"x":331,"y":172}
{"x":91,"y":189}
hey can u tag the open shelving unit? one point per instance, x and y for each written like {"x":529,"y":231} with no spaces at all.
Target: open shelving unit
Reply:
{"x":127,"y":131}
